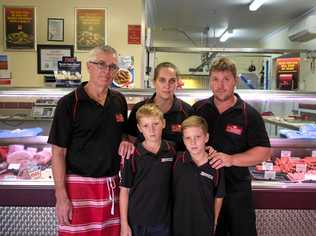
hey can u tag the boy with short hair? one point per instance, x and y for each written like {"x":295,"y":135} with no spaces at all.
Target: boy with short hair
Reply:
{"x":145,"y":193}
{"x":198,"y":188}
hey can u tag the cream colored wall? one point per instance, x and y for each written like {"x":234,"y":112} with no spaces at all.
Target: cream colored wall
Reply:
{"x":120,"y":14}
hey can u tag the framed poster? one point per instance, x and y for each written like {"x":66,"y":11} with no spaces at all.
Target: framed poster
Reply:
{"x":19,"y":27}
{"x":55,"y":29}
{"x":49,"y":55}
{"x":91,"y":29}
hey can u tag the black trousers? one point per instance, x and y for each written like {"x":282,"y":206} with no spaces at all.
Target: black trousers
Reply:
{"x":237,"y":217}
{"x":157,"y":230}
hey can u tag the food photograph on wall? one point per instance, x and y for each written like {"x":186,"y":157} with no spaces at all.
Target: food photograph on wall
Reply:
{"x":19,"y":27}
{"x":90,"y":28}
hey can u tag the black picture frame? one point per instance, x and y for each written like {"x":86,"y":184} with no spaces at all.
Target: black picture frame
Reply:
{"x":55,"y":29}
{"x":49,"y":55}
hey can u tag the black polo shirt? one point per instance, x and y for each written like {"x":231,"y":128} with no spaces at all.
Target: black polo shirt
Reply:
{"x":178,"y":112}
{"x":236,"y":130}
{"x":148,"y":176}
{"x":195,"y":189}
{"x":90,"y":132}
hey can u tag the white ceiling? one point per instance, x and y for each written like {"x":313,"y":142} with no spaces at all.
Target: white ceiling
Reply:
{"x":186,"y":20}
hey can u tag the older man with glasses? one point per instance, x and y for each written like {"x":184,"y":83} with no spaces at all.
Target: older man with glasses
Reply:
{"x":86,"y":132}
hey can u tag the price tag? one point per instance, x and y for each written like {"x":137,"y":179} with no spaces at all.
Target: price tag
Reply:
{"x":314,"y":153}
{"x":285,"y":153}
{"x":269,"y":174}
{"x":14,"y":166}
{"x":267,"y":165}
{"x":301,"y":168}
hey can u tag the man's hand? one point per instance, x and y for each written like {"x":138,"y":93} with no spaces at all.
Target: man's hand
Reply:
{"x":210,"y":150}
{"x":64,"y":211}
{"x":219,"y":160}
{"x":125,"y":230}
{"x":126,"y":149}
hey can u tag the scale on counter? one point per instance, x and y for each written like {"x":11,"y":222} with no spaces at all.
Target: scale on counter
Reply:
{"x":44,"y":108}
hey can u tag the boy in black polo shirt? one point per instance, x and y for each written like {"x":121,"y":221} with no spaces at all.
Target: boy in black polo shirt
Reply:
{"x":198,"y":188}
{"x":145,"y":195}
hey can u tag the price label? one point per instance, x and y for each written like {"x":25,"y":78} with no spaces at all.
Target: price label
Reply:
{"x":269,"y":174}
{"x":314,"y":153}
{"x":285,"y":153}
{"x":267,"y":165}
{"x":301,"y":168}
{"x":14,"y":166}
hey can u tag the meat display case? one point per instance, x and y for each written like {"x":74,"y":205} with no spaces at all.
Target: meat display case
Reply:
{"x":281,"y":207}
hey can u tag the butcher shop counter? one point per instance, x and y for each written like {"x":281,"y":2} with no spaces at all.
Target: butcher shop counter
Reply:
{"x":282,"y":208}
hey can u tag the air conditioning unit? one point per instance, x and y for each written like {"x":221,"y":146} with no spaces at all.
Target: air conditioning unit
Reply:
{"x":304,"y":30}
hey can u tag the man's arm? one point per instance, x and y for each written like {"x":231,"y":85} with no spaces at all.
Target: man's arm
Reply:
{"x":125,"y":228}
{"x":63,"y":204}
{"x":217,"y":208}
{"x":250,"y":157}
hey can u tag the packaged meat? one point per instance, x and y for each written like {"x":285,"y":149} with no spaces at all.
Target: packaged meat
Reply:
{"x":19,"y":156}
{"x":15,"y":147}
{"x":3,"y":167}
{"x":42,"y":157}
{"x":3,"y":152}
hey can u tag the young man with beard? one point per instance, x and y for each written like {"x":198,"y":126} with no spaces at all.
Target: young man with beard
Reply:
{"x":240,"y":139}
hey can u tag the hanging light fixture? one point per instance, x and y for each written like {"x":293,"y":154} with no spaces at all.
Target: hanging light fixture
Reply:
{"x":256,"y":4}
{"x":228,"y":34}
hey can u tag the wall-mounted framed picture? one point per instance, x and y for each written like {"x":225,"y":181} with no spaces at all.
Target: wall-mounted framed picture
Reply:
{"x":19,"y":28}
{"x":55,"y":29}
{"x":91,"y":27}
{"x":49,"y":55}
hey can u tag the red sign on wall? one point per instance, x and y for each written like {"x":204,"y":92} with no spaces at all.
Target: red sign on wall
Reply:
{"x":288,"y":73}
{"x":134,"y":34}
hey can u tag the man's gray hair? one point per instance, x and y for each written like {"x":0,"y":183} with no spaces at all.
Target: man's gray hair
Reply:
{"x":100,"y":49}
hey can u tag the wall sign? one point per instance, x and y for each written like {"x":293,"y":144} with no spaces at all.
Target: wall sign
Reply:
{"x":134,"y":34}
{"x":90,"y":28}
{"x":288,"y":73}
{"x":19,"y":27}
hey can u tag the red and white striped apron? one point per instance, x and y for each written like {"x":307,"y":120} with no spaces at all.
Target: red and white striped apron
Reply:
{"x":95,"y":206}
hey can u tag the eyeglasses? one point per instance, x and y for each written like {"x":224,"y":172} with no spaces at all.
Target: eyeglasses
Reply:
{"x":103,"y":66}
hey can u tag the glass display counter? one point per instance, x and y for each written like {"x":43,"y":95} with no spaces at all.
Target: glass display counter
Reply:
{"x":33,"y":194}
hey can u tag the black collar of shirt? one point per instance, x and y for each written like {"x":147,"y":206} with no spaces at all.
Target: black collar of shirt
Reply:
{"x":238,"y":105}
{"x":187,"y":158}
{"x":164,"y":147}
{"x":176,"y":105}
{"x":83,"y":96}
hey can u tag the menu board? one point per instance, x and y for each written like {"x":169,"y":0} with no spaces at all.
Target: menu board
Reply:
{"x":19,"y":27}
{"x":90,"y":28}
{"x":288,"y":73}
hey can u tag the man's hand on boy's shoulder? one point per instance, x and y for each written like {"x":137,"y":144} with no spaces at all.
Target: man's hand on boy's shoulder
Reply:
{"x":220,"y":159}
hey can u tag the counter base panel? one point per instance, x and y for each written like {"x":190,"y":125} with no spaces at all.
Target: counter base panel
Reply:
{"x":271,"y":222}
{"x":27,"y":221}
{"x":42,"y":221}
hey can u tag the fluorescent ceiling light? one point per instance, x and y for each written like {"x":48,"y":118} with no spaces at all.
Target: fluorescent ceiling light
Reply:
{"x":256,"y":4}
{"x":226,"y":35}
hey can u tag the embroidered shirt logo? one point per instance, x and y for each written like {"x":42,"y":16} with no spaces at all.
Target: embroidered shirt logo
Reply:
{"x":206,"y":175}
{"x":235,"y":129}
{"x":166,"y":159}
{"x":176,"y":128}
{"x":119,"y":117}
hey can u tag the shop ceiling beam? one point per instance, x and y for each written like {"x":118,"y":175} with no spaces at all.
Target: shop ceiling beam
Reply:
{"x":227,"y":50}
